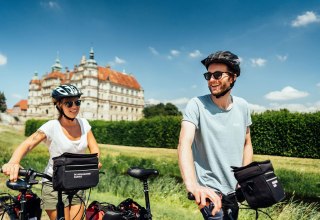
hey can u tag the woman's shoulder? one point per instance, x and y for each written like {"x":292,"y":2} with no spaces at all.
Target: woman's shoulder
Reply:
{"x":51,"y":122}
{"x":83,"y":120}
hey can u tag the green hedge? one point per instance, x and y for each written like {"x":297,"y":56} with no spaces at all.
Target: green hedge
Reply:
{"x":286,"y":134}
{"x":160,"y":132}
{"x":273,"y":132}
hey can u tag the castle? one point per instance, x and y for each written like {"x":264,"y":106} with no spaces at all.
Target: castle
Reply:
{"x":107,"y":94}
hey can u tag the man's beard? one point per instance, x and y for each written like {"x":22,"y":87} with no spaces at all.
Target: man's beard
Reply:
{"x":223,"y":89}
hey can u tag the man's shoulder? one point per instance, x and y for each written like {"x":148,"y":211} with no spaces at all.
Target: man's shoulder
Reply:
{"x":240,"y":103}
{"x":239,"y":100}
{"x":203,"y":98}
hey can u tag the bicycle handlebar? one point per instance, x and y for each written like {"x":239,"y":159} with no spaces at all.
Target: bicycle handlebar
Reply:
{"x":191,"y":197}
{"x":31,"y":173}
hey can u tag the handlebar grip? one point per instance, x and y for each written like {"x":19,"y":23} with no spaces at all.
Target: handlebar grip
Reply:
{"x":191,"y":197}
{"x":22,"y":172}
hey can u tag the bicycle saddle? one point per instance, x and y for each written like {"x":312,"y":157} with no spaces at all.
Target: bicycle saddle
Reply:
{"x":141,"y":173}
{"x":18,"y":185}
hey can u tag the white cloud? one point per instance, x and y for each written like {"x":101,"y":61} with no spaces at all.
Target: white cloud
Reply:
{"x":296,"y":107}
{"x":16,"y":96}
{"x":50,"y":4}
{"x":3,"y":59}
{"x":152,"y":101}
{"x":287,"y":93}
{"x":117,"y":60}
{"x":194,"y":86}
{"x":175,"y":52}
{"x":179,"y":101}
{"x":195,"y":54}
{"x":314,"y":107}
{"x":169,"y":57}
{"x":153,"y":51}
{"x":305,"y":19}
{"x":318,"y":84}
{"x":257,"y":108}
{"x":282,"y":58}
{"x":258,"y":62}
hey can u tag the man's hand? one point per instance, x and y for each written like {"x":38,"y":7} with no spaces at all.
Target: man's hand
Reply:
{"x":201,"y":193}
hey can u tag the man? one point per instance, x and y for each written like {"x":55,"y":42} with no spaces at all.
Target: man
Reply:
{"x":215,"y":135}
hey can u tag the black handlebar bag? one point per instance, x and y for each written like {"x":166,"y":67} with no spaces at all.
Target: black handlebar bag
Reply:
{"x":259,"y":184}
{"x":75,"y":171}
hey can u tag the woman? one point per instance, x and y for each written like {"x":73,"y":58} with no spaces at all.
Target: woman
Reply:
{"x":66,"y":134}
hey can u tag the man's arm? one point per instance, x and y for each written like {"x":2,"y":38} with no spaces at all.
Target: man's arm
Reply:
{"x":247,"y":150}
{"x":185,"y":155}
{"x":187,"y":169}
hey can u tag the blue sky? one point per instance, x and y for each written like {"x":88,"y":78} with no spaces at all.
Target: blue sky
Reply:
{"x":161,"y":42}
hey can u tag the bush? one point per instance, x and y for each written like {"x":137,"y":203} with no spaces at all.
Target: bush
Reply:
{"x":286,"y":134}
{"x":273,"y":133}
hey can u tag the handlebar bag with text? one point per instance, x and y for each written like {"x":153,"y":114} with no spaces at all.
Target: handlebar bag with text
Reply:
{"x":75,"y":171}
{"x":259,"y":184}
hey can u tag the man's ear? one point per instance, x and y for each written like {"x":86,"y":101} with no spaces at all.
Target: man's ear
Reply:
{"x":234,"y":77}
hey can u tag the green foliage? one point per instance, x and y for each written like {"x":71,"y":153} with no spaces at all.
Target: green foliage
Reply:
{"x":32,"y":126}
{"x":154,"y":132}
{"x":3,"y":104}
{"x":273,"y":133}
{"x":161,"y":110}
{"x":286,"y":134}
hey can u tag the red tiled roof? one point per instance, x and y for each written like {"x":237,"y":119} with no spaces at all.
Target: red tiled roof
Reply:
{"x":22,"y":104}
{"x":104,"y":73}
{"x":55,"y":75}
{"x":35,"y":81}
{"x":122,"y":79}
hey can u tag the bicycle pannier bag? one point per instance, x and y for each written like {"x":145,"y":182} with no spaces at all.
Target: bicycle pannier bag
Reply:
{"x":75,"y":171}
{"x":259,"y":184}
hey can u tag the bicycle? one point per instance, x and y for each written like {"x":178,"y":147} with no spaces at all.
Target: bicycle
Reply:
{"x":26,"y":205}
{"x":128,"y":209}
{"x":231,"y":200}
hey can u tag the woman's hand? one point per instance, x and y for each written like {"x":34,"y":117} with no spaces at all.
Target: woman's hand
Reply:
{"x":12,"y":170}
{"x":99,"y":165}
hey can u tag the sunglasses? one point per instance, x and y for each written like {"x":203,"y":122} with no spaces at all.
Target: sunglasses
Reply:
{"x":216,"y":75}
{"x":69,"y":104}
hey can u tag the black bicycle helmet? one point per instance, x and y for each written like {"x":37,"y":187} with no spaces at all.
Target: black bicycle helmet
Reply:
{"x":226,"y":57}
{"x":64,"y":91}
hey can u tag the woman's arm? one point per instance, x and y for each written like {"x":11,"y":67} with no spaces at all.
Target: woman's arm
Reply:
{"x":12,"y":167}
{"x":93,"y":146}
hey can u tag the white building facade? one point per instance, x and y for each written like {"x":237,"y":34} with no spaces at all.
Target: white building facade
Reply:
{"x":107,"y":94}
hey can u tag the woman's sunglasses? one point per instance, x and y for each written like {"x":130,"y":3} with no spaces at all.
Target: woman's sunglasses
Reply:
{"x":216,"y":75}
{"x":69,"y":104}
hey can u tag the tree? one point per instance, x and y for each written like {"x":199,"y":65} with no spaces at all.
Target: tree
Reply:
{"x":3,"y":105}
{"x":161,"y":110}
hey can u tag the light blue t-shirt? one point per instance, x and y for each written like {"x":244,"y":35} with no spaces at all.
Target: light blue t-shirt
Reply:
{"x":219,"y":140}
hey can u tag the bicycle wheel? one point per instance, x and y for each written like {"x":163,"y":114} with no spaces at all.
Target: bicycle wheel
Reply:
{"x":5,"y":216}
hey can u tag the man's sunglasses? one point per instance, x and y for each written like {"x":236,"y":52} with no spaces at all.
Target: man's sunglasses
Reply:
{"x":216,"y":75}
{"x":69,"y":104}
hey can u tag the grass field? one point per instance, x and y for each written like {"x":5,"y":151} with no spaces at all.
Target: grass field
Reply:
{"x":300,"y":176}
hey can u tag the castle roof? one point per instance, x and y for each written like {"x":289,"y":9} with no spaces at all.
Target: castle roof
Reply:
{"x":22,"y":104}
{"x":107,"y":74}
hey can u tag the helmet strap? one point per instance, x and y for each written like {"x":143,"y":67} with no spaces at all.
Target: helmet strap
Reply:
{"x":61,"y":112}
{"x":225,"y":91}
